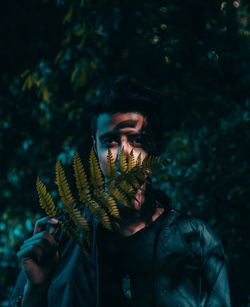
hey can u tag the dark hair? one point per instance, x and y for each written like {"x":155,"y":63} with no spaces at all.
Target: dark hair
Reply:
{"x":123,"y":95}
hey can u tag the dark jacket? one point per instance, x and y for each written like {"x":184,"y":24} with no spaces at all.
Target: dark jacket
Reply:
{"x":189,"y":269}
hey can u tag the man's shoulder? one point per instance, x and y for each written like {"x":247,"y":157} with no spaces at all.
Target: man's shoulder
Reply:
{"x":196,"y":234}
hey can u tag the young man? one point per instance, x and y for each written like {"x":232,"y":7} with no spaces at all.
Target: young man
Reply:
{"x":156,"y":257}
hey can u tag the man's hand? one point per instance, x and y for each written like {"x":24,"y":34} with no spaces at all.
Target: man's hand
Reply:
{"x":39,"y":254}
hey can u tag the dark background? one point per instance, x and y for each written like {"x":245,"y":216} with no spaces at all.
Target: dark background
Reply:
{"x":56,"y":55}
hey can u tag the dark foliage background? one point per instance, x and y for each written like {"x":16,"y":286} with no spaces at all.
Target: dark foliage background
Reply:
{"x":56,"y":55}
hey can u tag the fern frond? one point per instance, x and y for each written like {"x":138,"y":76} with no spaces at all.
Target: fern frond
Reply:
{"x":102,"y":216}
{"x":63,"y":188}
{"x":119,"y":195}
{"x":80,"y":221}
{"x":150,"y":162}
{"x":123,"y":162}
{"x":138,"y":160}
{"x":46,"y":200}
{"x":81,"y":178}
{"x":108,"y":202}
{"x":68,"y":201}
{"x":138,"y":176}
{"x":139,"y":173}
{"x":100,"y":198}
{"x":111,"y":168}
{"x":126,"y":188}
{"x":150,"y":165}
{"x":95,"y":172}
{"x":133,"y":180}
{"x":131,"y":160}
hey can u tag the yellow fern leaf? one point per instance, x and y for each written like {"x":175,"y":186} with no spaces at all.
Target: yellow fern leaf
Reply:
{"x":81,"y":178}
{"x":46,"y":200}
{"x":138,"y":160}
{"x":127,"y":189}
{"x":95,"y":172}
{"x":102,"y":216}
{"x":111,"y":168}
{"x":149,"y":165}
{"x":139,"y":174}
{"x":81,"y":223}
{"x":133,"y":180}
{"x":131,"y":160}
{"x":123,"y":164}
{"x":63,"y":188}
{"x":108,"y":202}
{"x":119,"y":195}
{"x":150,"y":162}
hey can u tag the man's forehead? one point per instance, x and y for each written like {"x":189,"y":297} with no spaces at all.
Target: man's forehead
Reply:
{"x":118,"y":121}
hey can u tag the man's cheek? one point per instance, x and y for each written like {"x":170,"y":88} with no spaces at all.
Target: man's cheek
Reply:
{"x":103,"y":162}
{"x":114,"y":154}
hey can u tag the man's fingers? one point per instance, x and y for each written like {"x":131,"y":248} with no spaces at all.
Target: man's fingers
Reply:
{"x":44,"y":235}
{"x":31,"y":251}
{"x":41,"y":224}
{"x":53,"y":227}
{"x":39,"y":250}
{"x":42,"y":243}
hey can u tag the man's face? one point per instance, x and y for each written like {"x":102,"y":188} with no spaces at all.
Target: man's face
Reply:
{"x":122,"y":130}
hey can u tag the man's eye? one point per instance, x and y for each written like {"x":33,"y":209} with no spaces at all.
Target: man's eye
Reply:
{"x":110,"y":142}
{"x":137,"y":140}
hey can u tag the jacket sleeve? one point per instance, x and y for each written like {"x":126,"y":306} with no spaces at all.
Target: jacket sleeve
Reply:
{"x":18,"y":289}
{"x":214,"y":281}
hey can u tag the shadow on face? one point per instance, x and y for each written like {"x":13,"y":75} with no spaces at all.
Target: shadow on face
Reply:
{"x":129,"y":131}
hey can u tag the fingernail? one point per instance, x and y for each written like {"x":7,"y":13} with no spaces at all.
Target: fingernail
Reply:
{"x":53,"y":221}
